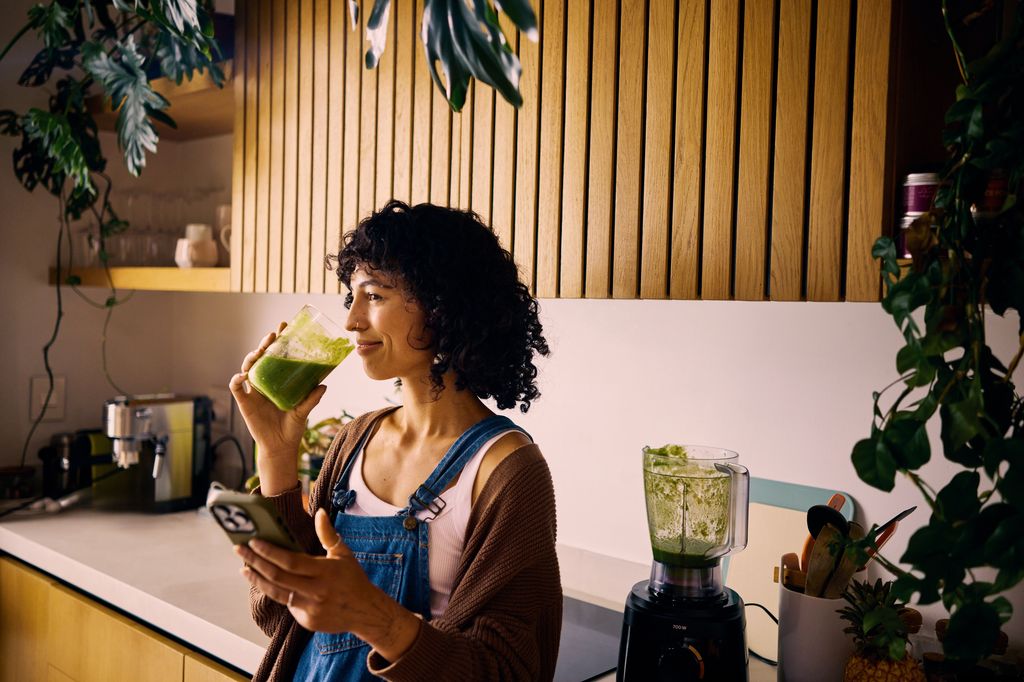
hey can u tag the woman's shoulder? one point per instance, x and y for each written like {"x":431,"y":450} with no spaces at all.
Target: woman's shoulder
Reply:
{"x":500,"y":451}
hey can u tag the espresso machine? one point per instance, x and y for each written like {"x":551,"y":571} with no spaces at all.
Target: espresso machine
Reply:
{"x":683,"y":623}
{"x":162,"y":442}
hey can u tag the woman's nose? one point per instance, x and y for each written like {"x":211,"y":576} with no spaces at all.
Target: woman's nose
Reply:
{"x":353,"y":322}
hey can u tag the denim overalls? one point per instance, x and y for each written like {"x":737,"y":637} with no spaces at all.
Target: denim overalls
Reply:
{"x":393,"y":552}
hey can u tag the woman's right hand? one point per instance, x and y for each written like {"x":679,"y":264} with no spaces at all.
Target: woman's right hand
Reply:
{"x":277,"y":434}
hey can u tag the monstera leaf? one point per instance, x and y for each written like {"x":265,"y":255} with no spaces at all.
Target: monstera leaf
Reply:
{"x":462,"y":40}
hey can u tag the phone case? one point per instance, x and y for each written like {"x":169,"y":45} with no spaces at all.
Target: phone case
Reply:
{"x":244,"y":517}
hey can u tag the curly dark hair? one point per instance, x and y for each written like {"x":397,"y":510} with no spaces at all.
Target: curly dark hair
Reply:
{"x":483,"y":318}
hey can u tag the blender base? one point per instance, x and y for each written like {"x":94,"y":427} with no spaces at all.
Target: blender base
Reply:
{"x":698,"y":640}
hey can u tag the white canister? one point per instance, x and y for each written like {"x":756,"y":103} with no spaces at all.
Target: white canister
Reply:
{"x":812,"y":644}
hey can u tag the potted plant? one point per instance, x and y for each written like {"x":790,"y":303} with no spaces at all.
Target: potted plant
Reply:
{"x":968,"y":262}
{"x":880,"y":627}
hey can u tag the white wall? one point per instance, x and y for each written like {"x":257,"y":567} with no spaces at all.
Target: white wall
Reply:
{"x":786,"y":385}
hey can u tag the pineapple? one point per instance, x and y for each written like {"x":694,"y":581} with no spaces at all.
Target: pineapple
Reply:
{"x":880,"y":628}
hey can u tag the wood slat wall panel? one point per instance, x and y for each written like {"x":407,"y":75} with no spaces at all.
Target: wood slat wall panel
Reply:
{"x":483,"y":152}
{"x":404,"y":44}
{"x":549,"y":204}
{"x":504,"y":163}
{"x":788,"y":183}
{"x":335,"y":134}
{"x":647,"y":160}
{"x":386,"y":120}
{"x":688,"y":162}
{"x":422,"y":115}
{"x":828,"y":151}
{"x":440,"y":147}
{"x":629,"y":149}
{"x":657,"y":202}
{"x":303,"y":214}
{"x":868,"y":147}
{"x":291,"y":143}
{"x":248,"y":250}
{"x":574,"y":155}
{"x":263,"y":148}
{"x":601,"y":168}
{"x":238,"y":165}
{"x":367,"y":131}
{"x":527,"y":138}
{"x":755,"y":151}
{"x":321,"y":128}
{"x":276,"y":218}
{"x":720,"y":151}
{"x":353,"y":93}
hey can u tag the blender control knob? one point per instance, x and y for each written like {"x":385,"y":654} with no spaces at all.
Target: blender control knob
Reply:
{"x":681,"y":663}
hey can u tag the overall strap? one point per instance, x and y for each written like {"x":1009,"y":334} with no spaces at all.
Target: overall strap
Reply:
{"x":341,"y":496}
{"x":427,"y":495}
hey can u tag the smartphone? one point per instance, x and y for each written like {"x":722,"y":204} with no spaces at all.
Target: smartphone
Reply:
{"x":244,"y":517}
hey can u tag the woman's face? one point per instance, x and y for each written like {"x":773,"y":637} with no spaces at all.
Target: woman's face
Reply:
{"x":388,"y":327}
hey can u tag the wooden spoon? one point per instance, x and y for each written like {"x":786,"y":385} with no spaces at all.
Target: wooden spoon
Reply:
{"x":822,"y":562}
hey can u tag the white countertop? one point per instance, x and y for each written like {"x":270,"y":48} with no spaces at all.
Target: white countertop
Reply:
{"x":177,"y":573}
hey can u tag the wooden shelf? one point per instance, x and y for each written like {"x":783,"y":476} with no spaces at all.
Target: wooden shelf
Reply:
{"x":199,"y":107}
{"x":155,"y":278}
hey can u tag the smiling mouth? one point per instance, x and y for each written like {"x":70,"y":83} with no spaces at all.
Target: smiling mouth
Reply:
{"x":365,"y":347}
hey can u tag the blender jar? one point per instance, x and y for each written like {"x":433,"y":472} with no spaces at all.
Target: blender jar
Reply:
{"x":697,"y":501}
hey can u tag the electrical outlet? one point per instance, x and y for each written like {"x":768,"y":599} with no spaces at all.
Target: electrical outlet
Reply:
{"x":223,"y":408}
{"x":39,"y":385}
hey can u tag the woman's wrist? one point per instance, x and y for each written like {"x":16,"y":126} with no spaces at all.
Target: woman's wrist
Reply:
{"x":394,"y":631}
{"x":278,"y":473}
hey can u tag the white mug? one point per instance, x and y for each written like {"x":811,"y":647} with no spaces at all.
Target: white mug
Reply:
{"x":195,"y":254}
{"x":225,"y":237}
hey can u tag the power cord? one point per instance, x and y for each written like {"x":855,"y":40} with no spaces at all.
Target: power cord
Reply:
{"x":775,"y":620}
{"x":61,"y":501}
{"x":241,"y":455}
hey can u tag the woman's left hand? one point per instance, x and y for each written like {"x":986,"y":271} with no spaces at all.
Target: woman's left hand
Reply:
{"x":330,"y":593}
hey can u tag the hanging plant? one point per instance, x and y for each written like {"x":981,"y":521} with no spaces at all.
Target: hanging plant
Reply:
{"x":112,"y":48}
{"x":462,"y":40}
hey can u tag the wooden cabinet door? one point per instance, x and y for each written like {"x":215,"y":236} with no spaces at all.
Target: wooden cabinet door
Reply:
{"x":675,"y":149}
{"x":91,"y":643}
{"x":24,"y":598}
{"x":201,"y":669}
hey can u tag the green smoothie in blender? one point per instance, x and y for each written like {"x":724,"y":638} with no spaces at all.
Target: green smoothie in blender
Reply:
{"x":688,"y":507}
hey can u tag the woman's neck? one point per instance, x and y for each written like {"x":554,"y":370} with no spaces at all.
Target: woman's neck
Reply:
{"x":427,"y":414}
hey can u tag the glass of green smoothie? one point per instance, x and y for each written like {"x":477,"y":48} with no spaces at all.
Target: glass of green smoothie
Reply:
{"x":301,"y":356}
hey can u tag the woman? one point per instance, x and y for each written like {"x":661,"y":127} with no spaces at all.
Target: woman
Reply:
{"x":431,"y":552}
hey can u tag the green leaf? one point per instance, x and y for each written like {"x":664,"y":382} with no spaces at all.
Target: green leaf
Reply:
{"x":972,"y":633}
{"x":958,"y":500}
{"x":1004,"y":548}
{"x":960,"y":422}
{"x":54,"y":136}
{"x":128,"y":88}
{"x":52,"y":23}
{"x":377,"y":32}
{"x":182,"y":14}
{"x":874,"y":464}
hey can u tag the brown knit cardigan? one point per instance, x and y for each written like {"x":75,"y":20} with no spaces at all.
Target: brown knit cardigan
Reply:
{"x":504,"y":617}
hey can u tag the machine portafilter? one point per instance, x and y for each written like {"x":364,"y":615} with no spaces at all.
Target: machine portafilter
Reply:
{"x":129,"y":426}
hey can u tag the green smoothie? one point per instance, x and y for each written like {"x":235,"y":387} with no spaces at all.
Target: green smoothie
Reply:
{"x":286,"y":381}
{"x":687,"y":507}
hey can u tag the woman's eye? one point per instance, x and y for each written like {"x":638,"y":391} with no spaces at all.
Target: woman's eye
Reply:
{"x":370,"y":296}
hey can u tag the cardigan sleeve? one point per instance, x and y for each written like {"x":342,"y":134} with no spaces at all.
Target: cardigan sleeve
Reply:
{"x":504,"y":618}
{"x":267,"y":613}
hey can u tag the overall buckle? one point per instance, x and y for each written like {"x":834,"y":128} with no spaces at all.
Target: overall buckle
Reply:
{"x":427,"y":500}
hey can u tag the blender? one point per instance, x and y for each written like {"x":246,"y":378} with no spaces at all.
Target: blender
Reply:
{"x":683,"y":623}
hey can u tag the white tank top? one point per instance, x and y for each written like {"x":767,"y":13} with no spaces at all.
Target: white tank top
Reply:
{"x":446,"y":533}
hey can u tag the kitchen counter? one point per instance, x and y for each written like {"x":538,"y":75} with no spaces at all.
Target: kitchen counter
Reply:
{"x":177,"y":573}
